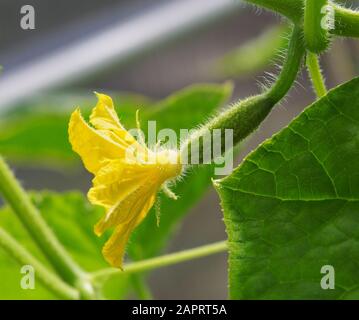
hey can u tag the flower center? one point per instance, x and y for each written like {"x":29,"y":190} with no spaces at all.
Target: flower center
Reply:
{"x":169,"y":163}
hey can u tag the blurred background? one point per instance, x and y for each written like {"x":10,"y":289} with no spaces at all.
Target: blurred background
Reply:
{"x":153,"y":47}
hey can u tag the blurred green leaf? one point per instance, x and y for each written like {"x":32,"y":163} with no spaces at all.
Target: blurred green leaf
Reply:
{"x":254,"y":55}
{"x":292,"y":206}
{"x":190,"y":107}
{"x":71,"y":217}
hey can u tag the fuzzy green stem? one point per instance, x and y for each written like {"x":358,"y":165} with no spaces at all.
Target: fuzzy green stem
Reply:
{"x":290,"y":69}
{"x":346,"y":20}
{"x":316,"y":74}
{"x":43,"y":236}
{"x":47,"y":278}
{"x":315,"y":25}
{"x":292,"y":9}
{"x":163,"y":261}
{"x":245,"y":116}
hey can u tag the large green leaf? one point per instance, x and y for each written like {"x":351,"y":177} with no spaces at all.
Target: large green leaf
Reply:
{"x":293,"y":206}
{"x":72,"y":218}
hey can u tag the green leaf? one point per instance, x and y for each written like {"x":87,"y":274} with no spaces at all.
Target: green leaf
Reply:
{"x":292,"y":206}
{"x":254,"y":55}
{"x":72,"y":218}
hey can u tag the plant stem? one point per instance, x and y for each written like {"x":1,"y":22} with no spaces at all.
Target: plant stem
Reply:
{"x":40,"y":232}
{"x":48,"y":279}
{"x":316,"y":74}
{"x":166,"y":260}
{"x":291,"y":66}
{"x":243,"y":117}
{"x":346,"y":20}
{"x":316,"y":34}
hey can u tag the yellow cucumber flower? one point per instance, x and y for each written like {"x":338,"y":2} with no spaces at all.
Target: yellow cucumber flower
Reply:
{"x":128,"y":175}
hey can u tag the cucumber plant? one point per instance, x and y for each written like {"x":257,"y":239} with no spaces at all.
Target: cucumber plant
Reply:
{"x":291,"y":208}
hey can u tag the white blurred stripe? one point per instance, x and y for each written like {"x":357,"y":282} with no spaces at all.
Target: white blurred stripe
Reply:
{"x":106,"y":47}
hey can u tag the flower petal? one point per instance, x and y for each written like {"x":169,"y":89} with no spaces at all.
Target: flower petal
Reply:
{"x":114,"y":181}
{"x":93,"y":147}
{"x":123,"y":198}
{"x":114,"y":248}
{"x":103,"y":116}
{"x":127,"y":174}
{"x":105,"y":119}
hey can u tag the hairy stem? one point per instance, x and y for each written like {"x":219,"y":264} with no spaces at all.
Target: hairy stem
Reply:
{"x":47,"y":278}
{"x":346,"y":20}
{"x":291,"y":66}
{"x":292,"y":9}
{"x":40,"y":232}
{"x":315,"y":28}
{"x":245,"y":116}
{"x":316,"y":74}
{"x":163,"y":261}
